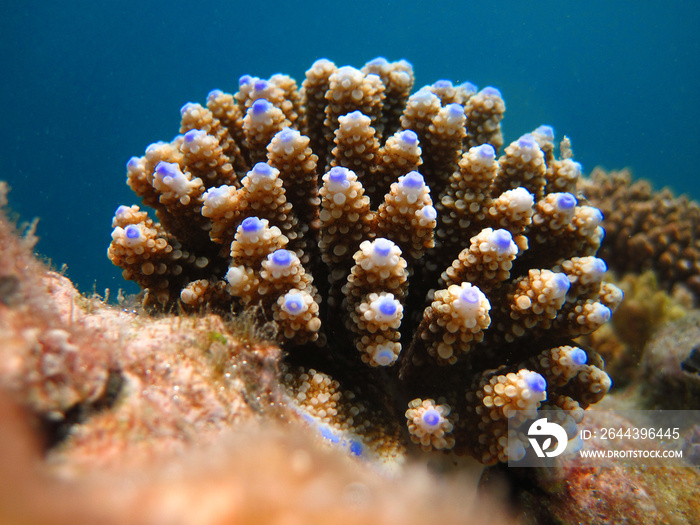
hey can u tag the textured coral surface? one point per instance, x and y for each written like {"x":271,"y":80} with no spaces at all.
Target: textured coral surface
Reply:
{"x":647,"y":229}
{"x":398,"y":259}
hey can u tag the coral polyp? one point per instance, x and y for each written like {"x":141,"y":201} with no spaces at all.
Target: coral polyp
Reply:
{"x":390,"y":246}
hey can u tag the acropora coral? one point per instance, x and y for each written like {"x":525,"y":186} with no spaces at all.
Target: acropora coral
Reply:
{"x":647,"y":229}
{"x":423,"y":288}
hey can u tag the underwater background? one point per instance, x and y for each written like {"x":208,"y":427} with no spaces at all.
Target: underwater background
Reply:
{"x":87,"y":85}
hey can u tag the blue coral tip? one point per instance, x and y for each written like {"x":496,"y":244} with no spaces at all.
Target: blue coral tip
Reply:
{"x":579,"y":357}
{"x":561,"y":281}
{"x":491,"y":92}
{"x":486,"y":151}
{"x":413,"y":180}
{"x":214,"y":94}
{"x":281,"y":257}
{"x":193,"y":134}
{"x":356,"y":448}
{"x":338,"y":175}
{"x":167,"y":169}
{"x":251,"y":225}
{"x":409,"y":137}
{"x":470,"y":295}
{"x":384,"y":357}
{"x":431,"y":418}
{"x":502,"y":239}
{"x":387,"y":306}
{"x":469,"y":87}
{"x":133,"y":163}
{"x":442,"y":84}
{"x":456,"y":110}
{"x":546,"y":131}
{"x":261,"y":106}
{"x":429,"y":212}
{"x":382,"y":246}
{"x":286,"y":135}
{"x":244,"y":80}
{"x":600,"y":266}
{"x":536,"y":382}
{"x":527,"y":141}
{"x":132,"y":231}
{"x":262,"y":168}
{"x":566,"y":201}
{"x":354,"y":115}
{"x":423,"y":95}
{"x":122,"y":210}
{"x":293,"y":303}
{"x":327,"y":433}
{"x":186,"y":108}
{"x":261,"y":85}
{"x":379,"y":61}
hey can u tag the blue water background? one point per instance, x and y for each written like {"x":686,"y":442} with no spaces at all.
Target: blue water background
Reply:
{"x":88,"y":84}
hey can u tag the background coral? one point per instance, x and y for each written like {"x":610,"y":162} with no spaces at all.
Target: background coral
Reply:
{"x":647,"y":229}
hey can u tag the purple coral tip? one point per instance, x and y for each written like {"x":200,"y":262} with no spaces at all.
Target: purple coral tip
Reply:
{"x":491,"y":92}
{"x":536,"y":382}
{"x":429,"y":212}
{"x":193,"y":134}
{"x":122,"y":210}
{"x":338,"y":175}
{"x":470,"y":295}
{"x":562,"y":283}
{"x":598,"y":215}
{"x":456,"y":110}
{"x":167,"y":169}
{"x":566,"y":201}
{"x":293,"y":303}
{"x":579,"y":357}
{"x":382,"y":247}
{"x":251,"y":225}
{"x":214,"y":94}
{"x":413,"y":180}
{"x":431,"y":418}
{"x":133,"y":163}
{"x":442,"y":84}
{"x":408,"y":137}
{"x":600,"y":266}
{"x":379,"y":61}
{"x":355,"y":448}
{"x":387,"y":306}
{"x":261,"y":85}
{"x":546,"y":131}
{"x":501,"y":239}
{"x":264,"y":169}
{"x":261,"y":106}
{"x":189,"y":106}
{"x":281,"y":257}
{"x":244,"y":80}
{"x":486,"y":151}
{"x":132,"y":231}
{"x":469,"y":87}
{"x":527,"y":141}
{"x":286,"y":135}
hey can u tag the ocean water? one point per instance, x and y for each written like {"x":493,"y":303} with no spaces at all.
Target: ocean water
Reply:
{"x":89,"y":84}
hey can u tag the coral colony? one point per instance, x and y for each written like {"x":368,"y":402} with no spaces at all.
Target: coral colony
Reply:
{"x":424,"y":286}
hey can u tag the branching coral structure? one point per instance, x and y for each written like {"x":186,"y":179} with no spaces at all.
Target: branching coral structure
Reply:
{"x":424,"y":288}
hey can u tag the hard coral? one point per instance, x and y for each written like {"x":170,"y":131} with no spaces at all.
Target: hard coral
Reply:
{"x":445,"y":272}
{"x":647,"y":229}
